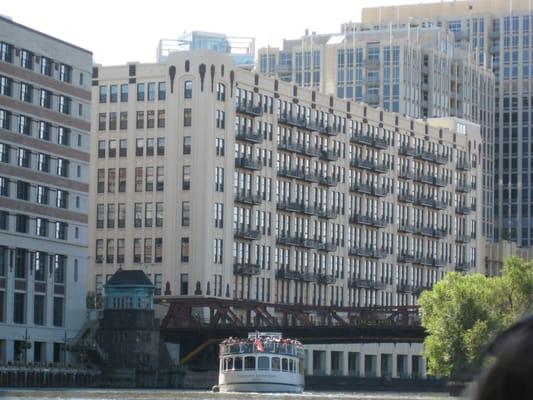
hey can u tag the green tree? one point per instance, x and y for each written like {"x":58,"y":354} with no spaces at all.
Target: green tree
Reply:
{"x":463,"y":312}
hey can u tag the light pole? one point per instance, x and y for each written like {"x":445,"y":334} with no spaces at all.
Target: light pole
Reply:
{"x":26,"y":344}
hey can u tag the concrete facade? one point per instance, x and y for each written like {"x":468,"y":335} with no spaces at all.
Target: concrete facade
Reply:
{"x":275,"y":193}
{"x":497,"y":33}
{"x":45,"y":113}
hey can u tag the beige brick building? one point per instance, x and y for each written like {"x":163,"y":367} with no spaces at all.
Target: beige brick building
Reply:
{"x":220,"y":182}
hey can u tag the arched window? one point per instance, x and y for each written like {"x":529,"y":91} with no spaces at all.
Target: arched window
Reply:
{"x":187,"y":90}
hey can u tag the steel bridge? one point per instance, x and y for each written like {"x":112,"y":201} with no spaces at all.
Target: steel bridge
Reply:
{"x":197,"y":322}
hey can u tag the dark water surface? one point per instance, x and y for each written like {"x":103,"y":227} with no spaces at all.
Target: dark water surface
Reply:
{"x":95,"y":394}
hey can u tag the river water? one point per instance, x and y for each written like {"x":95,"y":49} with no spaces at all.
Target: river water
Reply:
{"x":94,"y":394}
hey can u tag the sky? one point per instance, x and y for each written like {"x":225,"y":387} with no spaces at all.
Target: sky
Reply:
{"x":119,"y":31}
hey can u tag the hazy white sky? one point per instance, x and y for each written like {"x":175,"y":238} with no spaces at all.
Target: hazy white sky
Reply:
{"x":118,"y":31}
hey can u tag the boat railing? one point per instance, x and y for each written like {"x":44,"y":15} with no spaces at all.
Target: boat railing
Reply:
{"x":268,"y":347}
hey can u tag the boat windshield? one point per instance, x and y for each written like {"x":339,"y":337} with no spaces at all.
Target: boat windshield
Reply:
{"x":261,"y":345}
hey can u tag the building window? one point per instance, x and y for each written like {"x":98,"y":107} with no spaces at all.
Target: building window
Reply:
{"x":149,"y":179}
{"x":162,"y":92}
{"x":148,"y":215}
{"x":41,"y":227}
{"x":64,"y":103}
{"x":23,"y":158}
{"x":60,"y":267}
{"x":219,"y":179}
{"x":99,"y":255}
{"x":221,"y":92}
{"x":45,"y":98}
{"x":187,"y":90}
{"x":22,"y":222}
{"x":4,"y":226}
{"x":61,"y":198}
{"x":19,"y":306}
{"x":138,"y":179}
{"x":122,"y":180}
{"x":102,"y":121}
{"x":139,"y":147}
{"x":138,"y":215}
{"x":6,"y":52}
{"x":150,"y":118}
{"x":25,"y":125}
{"x":123,"y":148}
{"x":184,"y":284}
{"x":187,"y":117}
{"x":111,"y":216}
{"x":113,"y":93}
{"x":110,"y":251}
{"x":100,"y":180}
{"x":159,"y":214}
{"x":140,"y":92}
{"x":38,"y":309}
{"x":185,"y":249}
{"x":63,"y":136}
{"x":61,"y":230}
{"x":151,"y":91}
{"x":187,"y":142}
{"x":44,"y":130}
{"x":123,"y":120}
{"x":220,"y":119}
{"x":140,"y":120}
{"x":112,"y":149}
{"x":120,"y":251}
{"x":26,"y":59}
{"x":186,"y":181}
{"x":4,"y":186}
{"x":26,"y":92}
{"x":5,"y":119}
{"x":62,"y":167}
{"x":42,"y":195}
{"x":185,"y":213}
{"x":23,"y":190}
{"x":58,"y":311}
{"x":121,"y":215}
{"x":46,"y":66}
{"x":100,"y":216}
{"x":5,"y":85}
{"x":20,"y":263}
{"x":111,"y":180}
{"x":137,"y":250}
{"x":161,"y":146}
{"x":219,"y":215}
{"x":158,"y":250}
{"x":160,"y":179}
{"x":160,"y":118}
{"x":148,"y":250}
{"x":124,"y":92}
{"x":65,"y":73}
{"x":219,"y":147}
{"x":102,"y":91}
{"x":112,"y":121}
{"x":218,"y":251}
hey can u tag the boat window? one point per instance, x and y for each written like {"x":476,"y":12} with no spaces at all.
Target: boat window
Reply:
{"x":263,"y":363}
{"x":291,"y":365}
{"x":275,"y":363}
{"x":249,"y":363}
{"x":238,"y":364}
{"x":222,"y":363}
{"x":230,"y":363}
{"x":284,"y":364}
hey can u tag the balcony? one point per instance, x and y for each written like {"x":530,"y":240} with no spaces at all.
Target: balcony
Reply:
{"x":432,"y":232}
{"x":327,"y":247}
{"x":368,"y":189}
{"x":405,"y":288}
{"x":430,"y":262}
{"x":247,"y":135}
{"x":366,"y":284}
{"x":328,"y":155}
{"x":463,"y":188}
{"x":297,"y":122}
{"x":405,"y":258}
{"x":367,"y":252}
{"x":463,"y":266}
{"x":246,"y":269}
{"x":407,"y":198}
{"x":406,"y":228}
{"x":417,"y":290}
{"x":431,"y":180}
{"x":431,"y":202}
{"x":298,"y":207}
{"x":292,"y":173}
{"x":463,"y":165}
{"x":432,"y":157}
{"x":288,"y":274}
{"x":299,"y":148}
{"x":408,"y":151}
{"x":327,"y":181}
{"x":406,"y":174}
{"x":368,"y":220}
{"x":463,"y":210}
{"x":327,"y":213}
{"x":298,"y":241}
{"x":369,"y":165}
{"x":247,"y":234}
{"x":325,"y":279}
{"x":369,"y":141}
{"x":248,"y":163}
{"x":249,"y":109}
{"x":463,"y":238}
{"x":372,"y":98}
{"x":248,"y":198}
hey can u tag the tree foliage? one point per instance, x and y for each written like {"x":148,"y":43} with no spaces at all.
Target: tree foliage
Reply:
{"x":462,"y":313}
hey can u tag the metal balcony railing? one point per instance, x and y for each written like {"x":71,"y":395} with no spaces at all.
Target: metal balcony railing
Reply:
{"x":430,"y":261}
{"x":431,"y":180}
{"x":327,"y":213}
{"x":247,"y":135}
{"x":406,"y":228}
{"x":367,"y":252}
{"x":407,"y":198}
{"x":366,"y":284}
{"x":246,"y":269}
{"x":247,"y":233}
{"x":463,"y":165}
{"x":368,"y":165}
{"x":288,"y":274}
{"x":406,"y":174}
{"x":431,"y":202}
{"x":328,"y":155}
{"x":460,"y":238}
{"x":405,"y":257}
{"x":463,"y":266}
{"x":463,"y":210}
{"x":368,"y":220}
{"x":432,"y":232}
{"x":248,"y":198}
{"x":408,"y":151}
{"x":463,"y":188}
{"x":299,"y":148}
{"x":369,"y":141}
{"x":327,"y":180}
{"x":249,"y":108}
{"x":248,"y":163}
{"x":365,"y":188}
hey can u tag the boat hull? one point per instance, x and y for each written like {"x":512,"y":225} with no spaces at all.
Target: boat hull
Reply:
{"x":261,"y":382}
{"x":260,"y":387}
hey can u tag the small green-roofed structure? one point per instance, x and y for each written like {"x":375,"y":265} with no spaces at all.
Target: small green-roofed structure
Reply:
{"x":129,"y":289}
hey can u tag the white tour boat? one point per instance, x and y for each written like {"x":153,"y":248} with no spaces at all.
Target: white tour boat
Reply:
{"x":264,"y":362}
